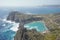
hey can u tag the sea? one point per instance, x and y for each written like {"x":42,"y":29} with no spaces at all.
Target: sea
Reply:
{"x":8,"y":28}
{"x":4,"y":11}
{"x":39,"y":26}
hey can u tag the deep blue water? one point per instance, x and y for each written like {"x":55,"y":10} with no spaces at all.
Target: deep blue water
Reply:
{"x":33,"y":10}
{"x":7,"y":35}
{"x":5,"y":32}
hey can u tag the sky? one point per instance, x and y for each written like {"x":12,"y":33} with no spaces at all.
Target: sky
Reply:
{"x":27,"y":3}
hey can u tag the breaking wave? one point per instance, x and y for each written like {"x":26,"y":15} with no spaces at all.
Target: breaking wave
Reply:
{"x":9,"y":28}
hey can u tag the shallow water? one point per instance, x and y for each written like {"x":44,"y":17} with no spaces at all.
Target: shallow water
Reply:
{"x":39,"y":26}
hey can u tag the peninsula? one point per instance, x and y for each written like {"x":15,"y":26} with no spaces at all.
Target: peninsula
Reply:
{"x":51,"y":21}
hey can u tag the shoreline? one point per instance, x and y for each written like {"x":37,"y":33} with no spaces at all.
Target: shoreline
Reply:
{"x":36,"y":27}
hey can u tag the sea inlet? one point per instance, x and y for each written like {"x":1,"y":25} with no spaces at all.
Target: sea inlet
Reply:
{"x":38,"y":25}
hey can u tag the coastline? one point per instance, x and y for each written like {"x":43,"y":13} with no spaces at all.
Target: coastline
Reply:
{"x":26,"y":19}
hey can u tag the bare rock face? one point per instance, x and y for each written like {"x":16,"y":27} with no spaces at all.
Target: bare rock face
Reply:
{"x":21,"y":33}
{"x":21,"y":17}
{"x":12,"y":16}
{"x":24,"y":34}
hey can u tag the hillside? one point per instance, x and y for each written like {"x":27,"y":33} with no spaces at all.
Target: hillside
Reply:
{"x":52,"y":21}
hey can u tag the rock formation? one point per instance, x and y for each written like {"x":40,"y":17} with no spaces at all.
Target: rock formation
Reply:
{"x":23,"y":33}
{"x":52,"y":22}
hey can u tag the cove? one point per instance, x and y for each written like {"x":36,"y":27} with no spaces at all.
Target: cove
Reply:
{"x":38,"y":25}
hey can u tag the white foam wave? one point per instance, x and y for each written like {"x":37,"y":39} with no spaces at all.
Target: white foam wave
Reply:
{"x":30,"y":27}
{"x":15,"y":25}
{"x":8,"y":21}
{"x":26,"y":26}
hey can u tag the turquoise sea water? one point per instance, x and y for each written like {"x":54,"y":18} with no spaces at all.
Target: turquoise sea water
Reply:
{"x":5,"y":32}
{"x":39,"y":26}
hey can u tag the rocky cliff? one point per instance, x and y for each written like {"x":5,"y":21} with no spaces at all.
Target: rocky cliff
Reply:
{"x":52,"y":22}
{"x":23,"y":33}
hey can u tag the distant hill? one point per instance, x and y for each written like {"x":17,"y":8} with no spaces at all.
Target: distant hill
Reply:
{"x":50,"y":6}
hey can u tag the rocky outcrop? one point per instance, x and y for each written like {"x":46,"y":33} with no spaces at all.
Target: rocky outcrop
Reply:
{"x":17,"y":16}
{"x":23,"y":33}
{"x":21,"y":17}
{"x":51,"y":22}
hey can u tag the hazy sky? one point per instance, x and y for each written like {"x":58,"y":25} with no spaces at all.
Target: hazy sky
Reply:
{"x":25,"y":3}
